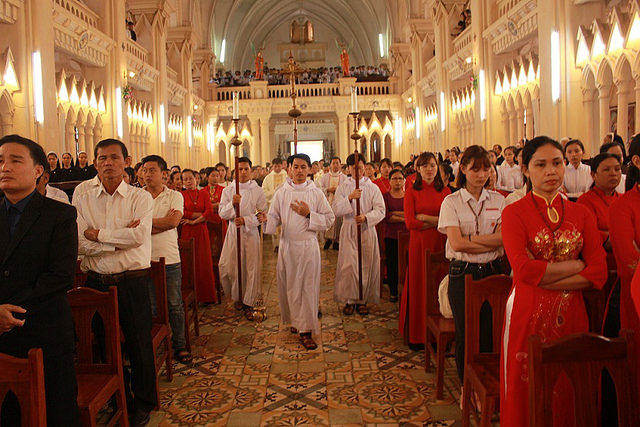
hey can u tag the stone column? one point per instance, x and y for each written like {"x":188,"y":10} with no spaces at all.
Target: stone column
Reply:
{"x":519,"y":124}
{"x":265,"y":141}
{"x":505,"y":126}
{"x":88,"y":139}
{"x":637,"y":95}
{"x":624,"y":96}
{"x":603,"y":98}
{"x":81,"y":139}
{"x":344,"y":131}
{"x":513,"y":128}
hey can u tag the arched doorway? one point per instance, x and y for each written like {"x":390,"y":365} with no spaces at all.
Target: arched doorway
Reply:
{"x":246,"y":149}
{"x":387,"y":146}
{"x":375,"y":141}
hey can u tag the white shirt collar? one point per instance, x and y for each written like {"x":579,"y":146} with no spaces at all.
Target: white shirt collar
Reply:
{"x":466,"y":196}
{"x":123,"y":189}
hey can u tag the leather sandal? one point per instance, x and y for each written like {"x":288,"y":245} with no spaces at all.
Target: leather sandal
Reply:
{"x":248,"y":313}
{"x":348,"y":309}
{"x":363,"y":310}
{"x":308,"y":342}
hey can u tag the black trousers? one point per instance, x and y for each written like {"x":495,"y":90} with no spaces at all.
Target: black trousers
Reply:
{"x":457,"y":272}
{"x":391,"y":253}
{"x":51,"y":329}
{"x":135,"y":323}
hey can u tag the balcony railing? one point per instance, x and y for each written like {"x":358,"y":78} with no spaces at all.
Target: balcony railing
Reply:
{"x":9,"y":11}
{"x":134,"y":49}
{"x":302,"y":90}
{"x":462,"y":42}
{"x":79,"y":10}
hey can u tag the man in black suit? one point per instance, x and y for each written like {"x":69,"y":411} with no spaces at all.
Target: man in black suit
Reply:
{"x":38,"y":251}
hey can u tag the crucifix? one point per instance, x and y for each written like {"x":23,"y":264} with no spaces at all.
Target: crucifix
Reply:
{"x":292,"y":70}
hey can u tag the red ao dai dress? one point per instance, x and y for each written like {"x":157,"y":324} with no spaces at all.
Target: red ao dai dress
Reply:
{"x":527,"y":225}
{"x":624,"y":231}
{"x":198,"y":201}
{"x":426,"y":201}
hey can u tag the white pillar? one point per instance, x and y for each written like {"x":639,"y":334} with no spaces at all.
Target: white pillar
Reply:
{"x":603,"y":98}
{"x":624,"y":96}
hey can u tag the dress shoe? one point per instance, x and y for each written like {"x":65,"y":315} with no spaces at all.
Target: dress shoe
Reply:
{"x":327,"y":244}
{"x":336,"y":246}
{"x":139,"y":418}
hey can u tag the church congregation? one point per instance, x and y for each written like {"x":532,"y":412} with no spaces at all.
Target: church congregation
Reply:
{"x":449,"y":237}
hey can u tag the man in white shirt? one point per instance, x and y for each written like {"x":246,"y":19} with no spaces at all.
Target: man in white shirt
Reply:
{"x":302,"y":209}
{"x":114,"y":235}
{"x":329,"y":183}
{"x":168,"y":207}
{"x":271,"y":182}
{"x":251,"y":200}
{"x":46,"y":190}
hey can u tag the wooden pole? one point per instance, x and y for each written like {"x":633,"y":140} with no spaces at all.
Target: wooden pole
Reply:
{"x":236,"y":143}
{"x":356,"y":138}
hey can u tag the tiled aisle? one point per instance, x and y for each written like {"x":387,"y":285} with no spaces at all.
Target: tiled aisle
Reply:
{"x":361,"y":373}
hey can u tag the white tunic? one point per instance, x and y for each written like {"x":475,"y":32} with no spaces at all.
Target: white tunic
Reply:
{"x":327,"y":181}
{"x":251,"y":201}
{"x":577,"y":180}
{"x":372,"y":206}
{"x":298,"y":265}
{"x":509,"y":177}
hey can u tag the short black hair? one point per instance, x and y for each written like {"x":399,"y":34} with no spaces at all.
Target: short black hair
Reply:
{"x":387,"y":161}
{"x":221,"y":164}
{"x":109,"y":142}
{"x":573,"y":142}
{"x":351,"y":159}
{"x":277,"y":161}
{"x":532,"y":146}
{"x":191,"y":171}
{"x":596,"y":160}
{"x":176,"y":166}
{"x":35,"y":150}
{"x":335,"y":158}
{"x":300,"y":156}
{"x":155,"y":158}
{"x":244,"y":159}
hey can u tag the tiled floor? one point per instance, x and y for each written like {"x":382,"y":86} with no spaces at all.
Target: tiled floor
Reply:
{"x":253,"y":375}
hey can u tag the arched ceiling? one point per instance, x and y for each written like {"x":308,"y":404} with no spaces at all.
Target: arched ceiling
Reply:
{"x":242,"y":22}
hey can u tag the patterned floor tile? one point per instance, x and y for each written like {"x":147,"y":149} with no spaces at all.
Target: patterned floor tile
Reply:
{"x":245,"y":374}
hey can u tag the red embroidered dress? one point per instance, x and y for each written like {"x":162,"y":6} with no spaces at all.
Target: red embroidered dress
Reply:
{"x":197,"y":201}
{"x":559,"y":232}
{"x":624,"y":231}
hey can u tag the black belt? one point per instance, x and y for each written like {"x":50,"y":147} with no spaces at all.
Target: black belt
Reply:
{"x":491,"y":265}
{"x":112,"y":279}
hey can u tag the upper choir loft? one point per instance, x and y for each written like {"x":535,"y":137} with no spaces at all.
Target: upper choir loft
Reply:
{"x":430,"y":74}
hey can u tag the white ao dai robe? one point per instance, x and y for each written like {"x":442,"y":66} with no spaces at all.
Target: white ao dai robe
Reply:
{"x":298,"y":267}
{"x":372,"y":206}
{"x":252,"y":200}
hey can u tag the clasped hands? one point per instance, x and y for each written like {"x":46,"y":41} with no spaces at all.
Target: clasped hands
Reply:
{"x":356,"y":194}
{"x":92,"y":233}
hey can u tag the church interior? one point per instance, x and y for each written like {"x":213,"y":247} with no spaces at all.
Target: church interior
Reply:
{"x":201,"y":82}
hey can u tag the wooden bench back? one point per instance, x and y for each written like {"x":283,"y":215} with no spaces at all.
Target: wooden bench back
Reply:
{"x":85,"y":304}
{"x":583,"y":358}
{"x":25,"y":379}
{"x":495,"y":291}
{"x":436,"y":266}
{"x":158,"y":274}
{"x":188,"y":260}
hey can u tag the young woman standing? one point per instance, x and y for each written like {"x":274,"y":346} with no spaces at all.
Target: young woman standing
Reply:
{"x":555,"y":251}
{"x":471,"y":220}
{"x":394,"y":224}
{"x":197,"y":209}
{"x":422,"y":209}
{"x":577,"y":178}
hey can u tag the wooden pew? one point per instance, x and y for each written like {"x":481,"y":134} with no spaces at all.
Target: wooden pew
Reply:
{"x":25,"y":379}
{"x":160,"y":327}
{"x":188,"y":260}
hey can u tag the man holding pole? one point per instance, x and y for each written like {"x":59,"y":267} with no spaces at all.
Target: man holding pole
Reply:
{"x":355,"y":293}
{"x":251,"y":200}
{"x":302,"y":210}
